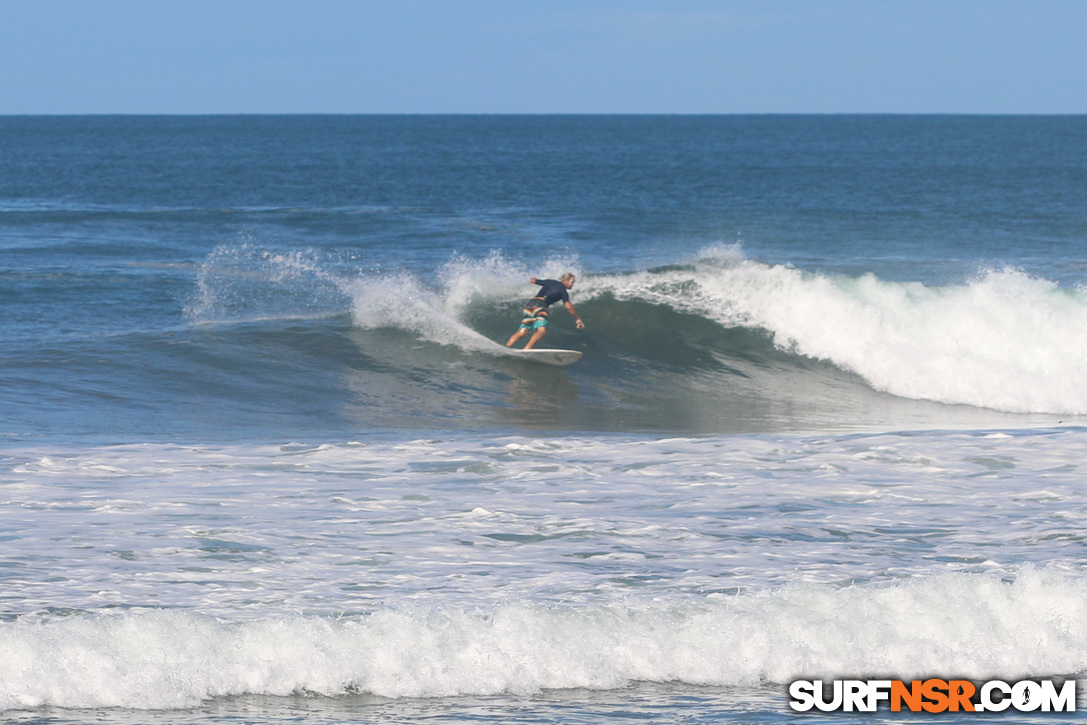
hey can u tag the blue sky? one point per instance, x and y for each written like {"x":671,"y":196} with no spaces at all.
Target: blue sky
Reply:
{"x":543,"y":56}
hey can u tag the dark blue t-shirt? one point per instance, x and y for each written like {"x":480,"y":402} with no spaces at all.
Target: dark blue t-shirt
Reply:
{"x":552,"y":291}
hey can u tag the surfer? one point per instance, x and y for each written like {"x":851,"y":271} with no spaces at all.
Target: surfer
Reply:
{"x":535,"y":310}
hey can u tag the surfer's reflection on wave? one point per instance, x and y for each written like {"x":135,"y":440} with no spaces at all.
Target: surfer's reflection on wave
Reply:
{"x":542,"y":397}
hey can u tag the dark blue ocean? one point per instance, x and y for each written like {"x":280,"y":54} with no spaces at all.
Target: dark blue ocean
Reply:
{"x":263,"y":458}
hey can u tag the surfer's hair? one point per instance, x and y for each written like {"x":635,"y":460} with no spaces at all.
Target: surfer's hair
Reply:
{"x":566,"y":276}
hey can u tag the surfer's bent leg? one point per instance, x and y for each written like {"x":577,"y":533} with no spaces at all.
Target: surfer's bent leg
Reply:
{"x":521,"y":332}
{"x":539,"y":324}
{"x":533,"y":318}
{"x":535,"y":337}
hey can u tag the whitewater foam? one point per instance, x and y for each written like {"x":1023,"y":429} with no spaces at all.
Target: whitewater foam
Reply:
{"x":967,"y":625}
{"x":1004,"y":340}
{"x":344,"y":528}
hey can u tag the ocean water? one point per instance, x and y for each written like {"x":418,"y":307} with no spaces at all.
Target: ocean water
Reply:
{"x":263,"y":458}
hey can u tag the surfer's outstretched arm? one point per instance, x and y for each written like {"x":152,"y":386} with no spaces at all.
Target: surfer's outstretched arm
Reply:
{"x":580,"y":325}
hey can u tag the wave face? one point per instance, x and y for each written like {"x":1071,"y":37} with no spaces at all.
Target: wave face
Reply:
{"x":282,"y":345}
{"x":720,"y":343}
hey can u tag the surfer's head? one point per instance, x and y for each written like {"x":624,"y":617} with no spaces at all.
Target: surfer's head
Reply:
{"x":567,"y":279}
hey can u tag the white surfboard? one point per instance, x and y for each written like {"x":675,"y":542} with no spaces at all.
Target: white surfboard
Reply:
{"x":547,"y":356}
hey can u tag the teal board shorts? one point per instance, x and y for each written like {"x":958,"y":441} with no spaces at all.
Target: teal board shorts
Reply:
{"x":535,"y":318}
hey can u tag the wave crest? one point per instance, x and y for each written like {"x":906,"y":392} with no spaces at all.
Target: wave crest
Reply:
{"x":1004,"y":340}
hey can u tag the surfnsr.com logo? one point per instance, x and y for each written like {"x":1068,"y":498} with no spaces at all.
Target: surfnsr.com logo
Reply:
{"x":933,"y":695}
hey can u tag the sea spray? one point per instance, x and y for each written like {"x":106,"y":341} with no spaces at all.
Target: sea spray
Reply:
{"x":246,"y":281}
